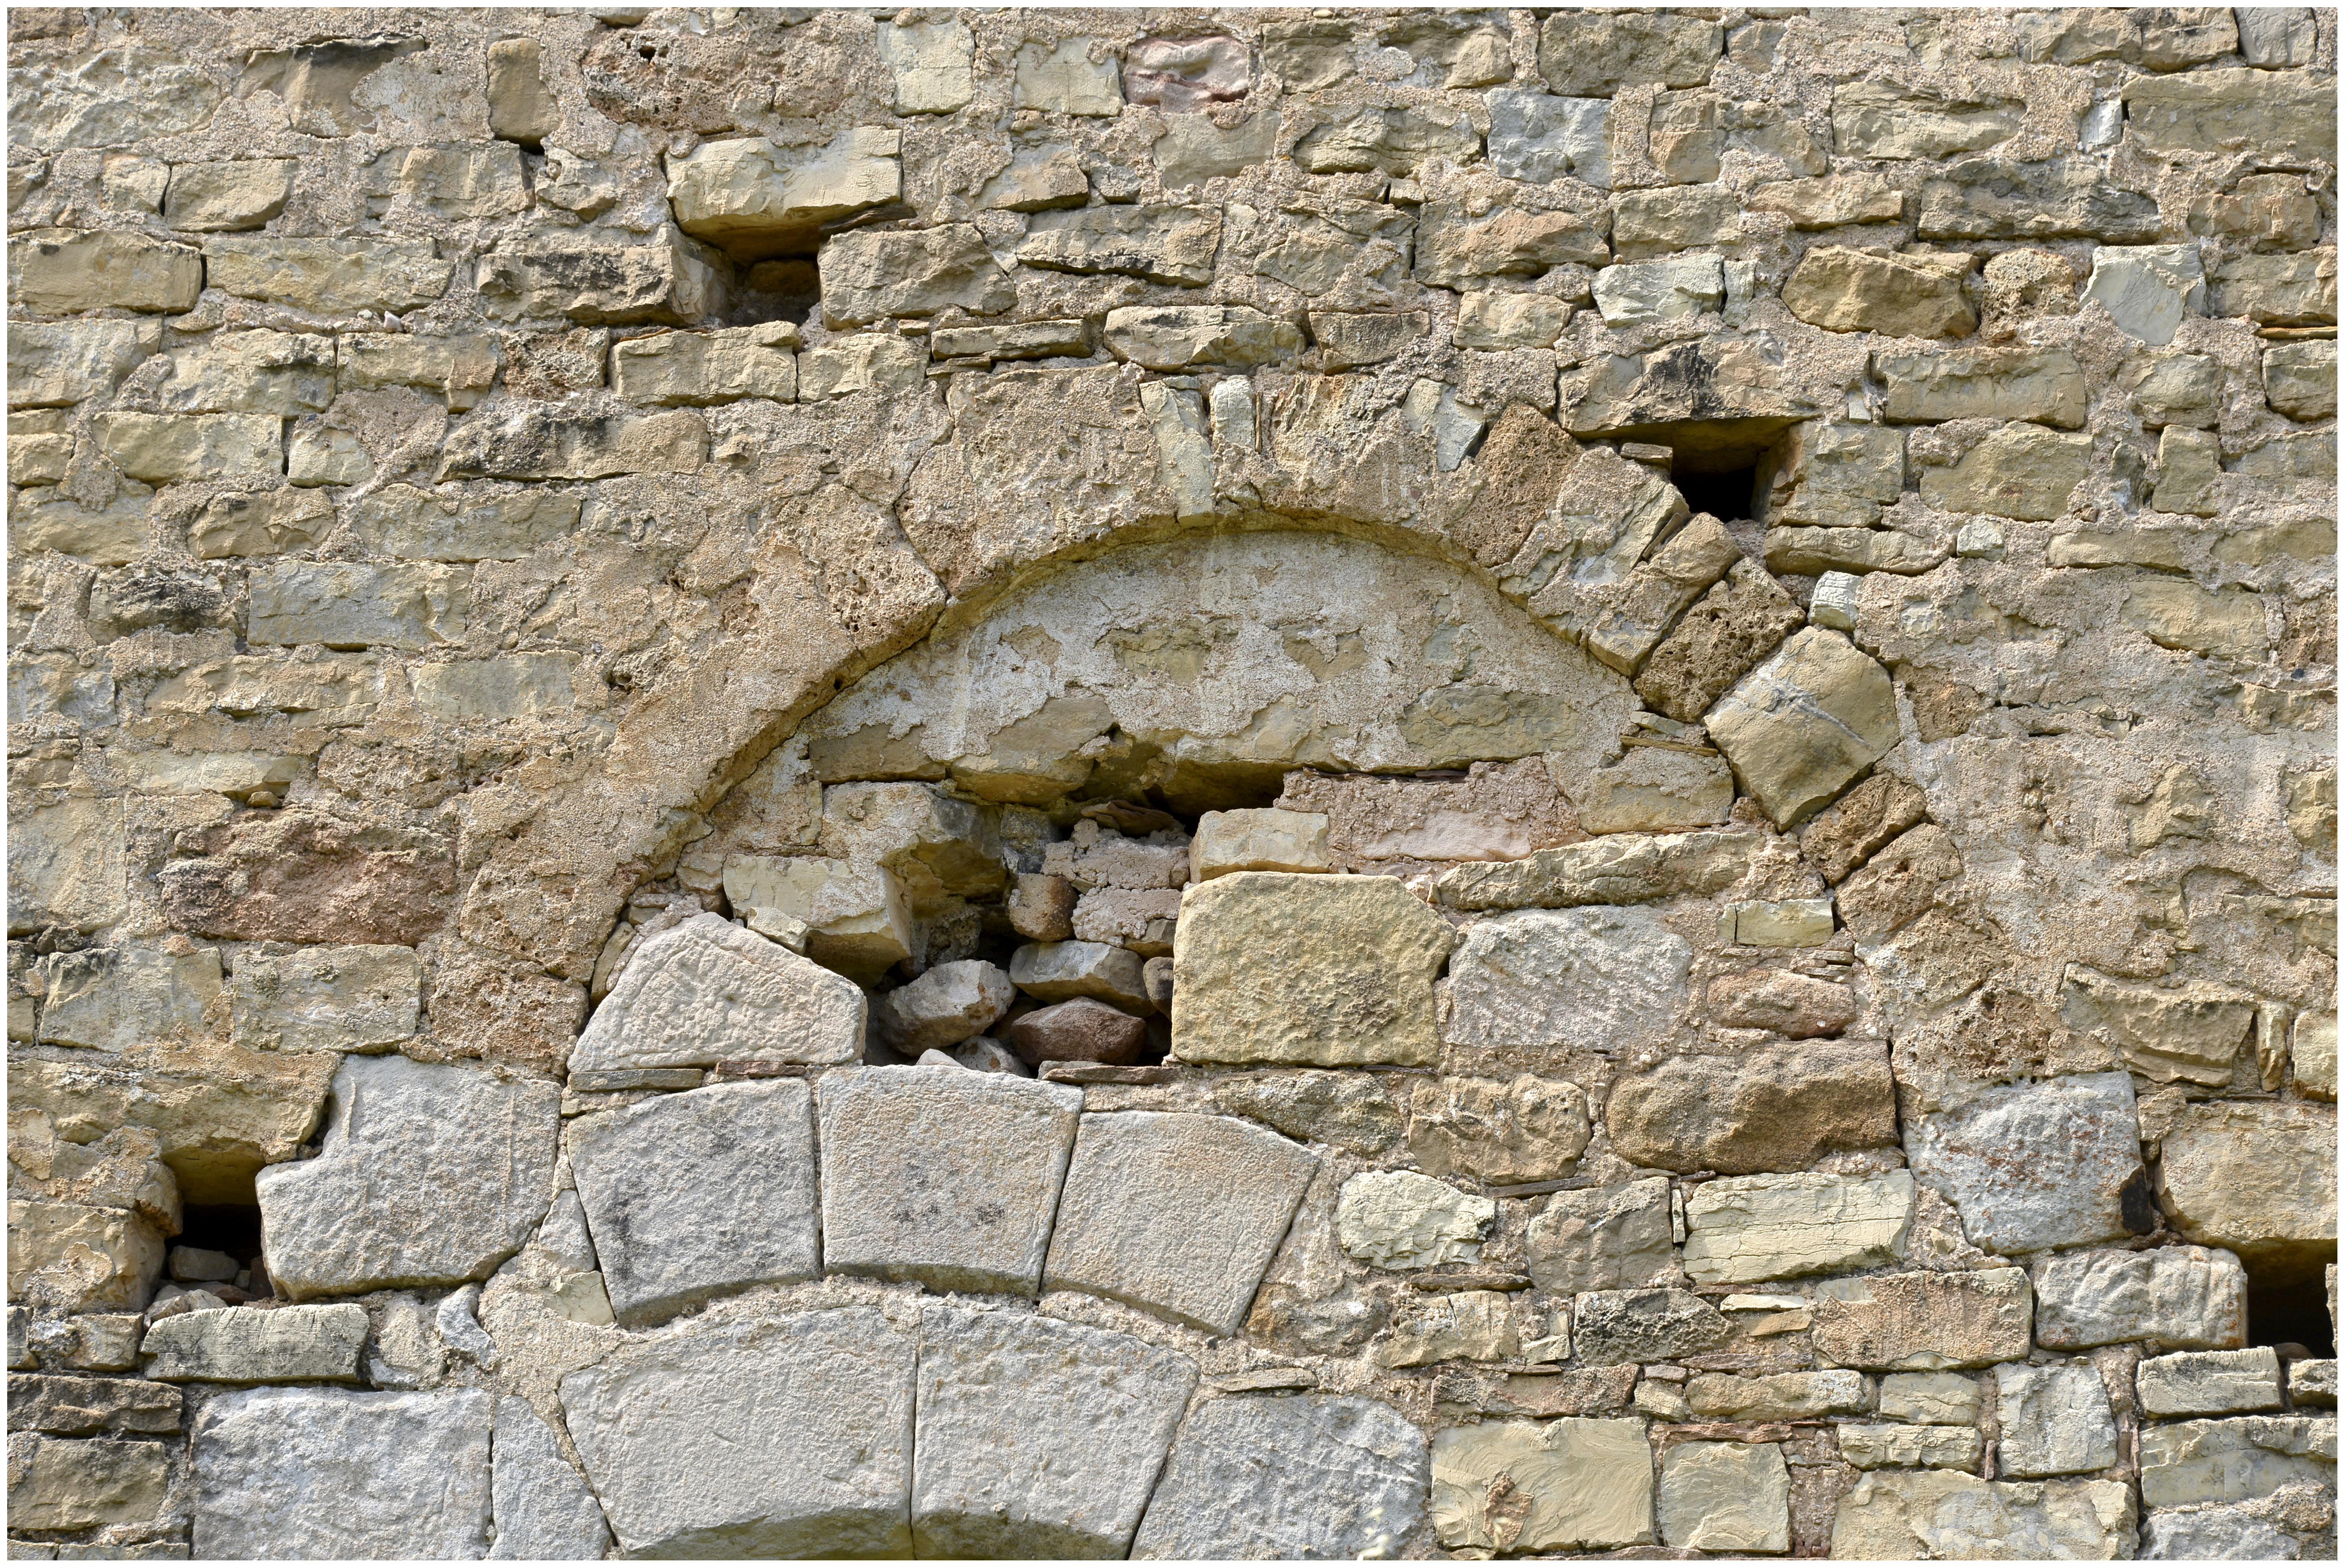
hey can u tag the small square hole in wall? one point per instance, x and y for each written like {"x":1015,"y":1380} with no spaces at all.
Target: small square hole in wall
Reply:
{"x":1727,"y":494}
{"x":231,"y":1228}
{"x":2293,"y":1312}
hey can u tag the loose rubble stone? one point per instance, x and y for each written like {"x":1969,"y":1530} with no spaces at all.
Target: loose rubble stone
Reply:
{"x":1062,"y":971}
{"x":2056,"y":1421}
{"x":707,"y":990}
{"x":242,"y":1345}
{"x":1924,"y":1323}
{"x":907,"y":1153}
{"x":1649,"y":1325}
{"x":788,"y":1437}
{"x":2259,"y":1177}
{"x":1904,"y":1515}
{"x":1401,"y":1219}
{"x":319,"y":1472}
{"x":1230,"y":1489}
{"x":695,"y":1195}
{"x":1602,"y":1239}
{"x":1176,"y":1214}
{"x":1518,"y":1486}
{"x":988,"y":1383}
{"x":1771,"y":1109}
{"x":403,"y":1138}
{"x":2236,"y":1460}
{"x":944,"y":1007}
{"x":1726,"y":1497}
{"x":1800,"y":727}
{"x":1308,"y":970}
{"x":1080,"y":1030}
{"x":2209,"y":1383}
{"x":1588,"y":978}
{"x":2087,"y":1152}
{"x":544,"y":1511}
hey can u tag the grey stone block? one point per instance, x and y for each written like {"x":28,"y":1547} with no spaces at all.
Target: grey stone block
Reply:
{"x":694,"y":1195}
{"x":707,"y":990}
{"x":2209,"y":1383}
{"x":255,"y":1345}
{"x":2056,"y":1421}
{"x":946,"y":1177}
{"x":1177,"y":1214}
{"x":1314,"y":1476}
{"x":2184,"y":1298}
{"x":544,"y":1511}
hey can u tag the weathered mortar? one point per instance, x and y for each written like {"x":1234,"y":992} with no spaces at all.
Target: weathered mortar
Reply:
{"x":1636,"y":710}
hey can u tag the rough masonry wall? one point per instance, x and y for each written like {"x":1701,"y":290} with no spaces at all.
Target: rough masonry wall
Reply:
{"x":1187,"y":783}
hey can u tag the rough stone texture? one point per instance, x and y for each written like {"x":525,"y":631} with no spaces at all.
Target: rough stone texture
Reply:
{"x":948,"y":1005}
{"x":1305,"y":970}
{"x":1176,"y":1214}
{"x":1749,"y":1228}
{"x":1597,"y":977}
{"x":1517,"y":1486}
{"x":2085,"y":1151}
{"x":1909,"y":1447}
{"x":544,"y":1511}
{"x":474,"y":1153}
{"x":780,"y":1438}
{"x":2209,"y":1383}
{"x":690,"y":1196}
{"x":286,"y":1345}
{"x":2235,"y":1461}
{"x":946,"y":1177}
{"x":1318,"y":1475}
{"x":2192,"y":1298}
{"x":1800,"y":727}
{"x":1725,"y":1497}
{"x":1925,"y":1322}
{"x":1602,"y":1239}
{"x":1529,"y":1129}
{"x":2258,"y":1178}
{"x":988,"y":1383}
{"x":327,"y":1473}
{"x":708,"y":990}
{"x":2056,"y":1421}
{"x":1609,"y":1326}
{"x":1770,"y":1108}
{"x":1907,"y":1516}
{"x":1400,"y":1220}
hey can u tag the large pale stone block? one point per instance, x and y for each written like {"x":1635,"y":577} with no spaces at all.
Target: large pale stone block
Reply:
{"x":2148,"y":290}
{"x":949,"y":1179}
{"x":1909,"y":1515}
{"x":75,"y":1258}
{"x":1598,"y":978}
{"x":426,"y":1176}
{"x":56,"y":270}
{"x":457,"y":371}
{"x":1174,"y":245}
{"x":84,"y":1407}
{"x":1923,"y":1322}
{"x":2235,"y":1461}
{"x":1454,"y":1326}
{"x":2188,"y":1034}
{"x":1928,"y":385}
{"x":2284,"y":117}
{"x":221,"y":198}
{"x":2259,"y":1177}
{"x":1037,"y":1438}
{"x":867,"y":277}
{"x":2055,"y":1420}
{"x":2184,"y":1298}
{"x":174,"y":449}
{"x":697,"y":1194}
{"x":1401,"y":1219}
{"x":493,"y":691}
{"x":1319,"y":971}
{"x":2022,"y":471}
{"x":544,"y":1511}
{"x":1800,"y":727}
{"x":328,"y":276}
{"x":754,"y":199}
{"x":931,"y":62}
{"x":284,"y":373}
{"x":717,"y":367}
{"x":1539,"y":137}
{"x":1908,"y":1447}
{"x":114,"y":999}
{"x":2085,"y":1151}
{"x":245,"y":1345}
{"x":708,"y":991}
{"x":1318,"y":1475}
{"x":326,"y":998}
{"x":1177,"y":1214}
{"x":1776,"y":1108}
{"x":333,"y":1473}
{"x":76,"y":1485}
{"x":53,"y":364}
{"x":1602,"y":1238}
{"x":1262,"y":840}
{"x":1750,"y":1228}
{"x":785,"y":1438}
{"x":65,"y":865}
{"x":2209,"y":1383}
{"x":2215,"y":1534}
{"x":1726,"y":1497}
{"x":1587,"y":1484}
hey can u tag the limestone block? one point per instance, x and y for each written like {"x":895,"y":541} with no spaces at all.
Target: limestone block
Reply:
{"x":2192,"y":1297}
{"x":1575,"y":1484}
{"x":1785,"y":1396}
{"x":1926,"y":386}
{"x":1907,"y":1447}
{"x":1941,"y":1398}
{"x":76,"y":1257}
{"x":172,"y":448}
{"x":1176,"y":1214}
{"x":2179,"y":613}
{"x":946,"y":1005}
{"x":2215,"y":1534}
{"x":1161,"y":244}
{"x":707,"y":991}
{"x":698,"y":1195}
{"x":1493,"y":320}
{"x":84,"y":1407}
{"x":316,"y":455}
{"x":2259,"y":1177}
{"x":2086,"y":1151}
{"x":786,"y":1438}
{"x":947,"y":1179}
{"x":1061,"y":971}
{"x":1609,"y":1327}
{"x":1848,"y":290}
{"x":1675,"y":218}
{"x":2180,"y":390}
{"x":1602,"y":1238}
{"x":67,"y":1485}
{"x":706,"y":368}
{"x":754,"y":199}
{"x":2278,"y":290}
{"x":490,"y":691}
{"x":1038,"y":181}
{"x":1729,"y":629}
{"x":1595,"y":54}
{"x":114,"y":999}
{"x":990,"y":1383}
{"x":2148,"y":290}
{"x":1615,"y":870}
{"x":1907,"y":1515}
{"x":1489,"y":231}
{"x":53,"y":364}
{"x":457,"y":182}
{"x":1752,"y":1227}
{"x":1769,"y":1108}
{"x":334,"y":1473}
{"x":1195,"y":337}
{"x":326,"y":998}
{"x":1233,"y":1489}
{"x":1655,"y":789}
{"x":1501,"y":1132}
{"x":2209,"y":1383}
{"x":2021,"y":471}
{"x":672,"y":281}
{"x":2282,"y":117}
{"x":2235,"y":1461}
{"x":1993,"y":198}
{"x":220,"y":198}
{"x":1831,"y":202}
{"x":1072,"y":76}
{"x":1348,"y":339}
{"x":350,"y":604}
{"x":1396,"y":141}
{"x":2300,"y":379}
{"x":58,"y":270}
{"x":522,"y":109}
{"x":1777,"y":923}
{"x":328,"y":276}
{"x":544,"y":1511}
{"x":1018,"y":340}
{"x":1802,"y":726}
{"x":1924,"y":1323}
{"x":1726,"y":1497}
{"x":1401,"y":1219}
{"x":248,"y":1345}
{"x":1268,"y":839}
{"x":931,"y":63}
{"x":1456,"y":1325}
{"x":1812,"y":551}
{"x":527,"y":441}
{"x":2312,"y":1052}
{"x":2055,"y":1420}
{"x":1594,"y":978}
{"x":1350,"y":1110}
{"x":868,"y":276}
{"x":1194,"y":149}
{"x":1537,"y":138}
{"x":1882,"y":120}
{"x":2312,"y":1382}
{"x":1634,"y":291}
{"x":1319,"y":971}
{"x":458,"y":370}
{"x":404,"y":1140}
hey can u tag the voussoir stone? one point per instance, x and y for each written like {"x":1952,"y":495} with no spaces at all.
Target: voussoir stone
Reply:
{"x":949,"y":1179}
{"x":1234,"y":1488}
{"x":2184,"y":1298}
{"x":791,"y":1438}
{"x":1773,"y":1108}
{"x":426,"y":1176}
{"x":1177,"y":1214}
{"x":335,"y":1473}
{"x":248,"y":1345}
{"x":1306,"y":970}
{"x":694,"y":1195}
{"x":1037,"y":1438}
{"x":1800,"y":727}
{"x":1594,"y":977}
{"x":708,"y":991}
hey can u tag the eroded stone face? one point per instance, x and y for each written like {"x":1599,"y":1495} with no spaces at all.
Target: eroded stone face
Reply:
{"x":1228,"y":1490}
{"x":1592,"y":978}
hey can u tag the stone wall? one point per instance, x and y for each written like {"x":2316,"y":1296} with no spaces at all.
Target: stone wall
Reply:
{"x":1183,"y":784}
